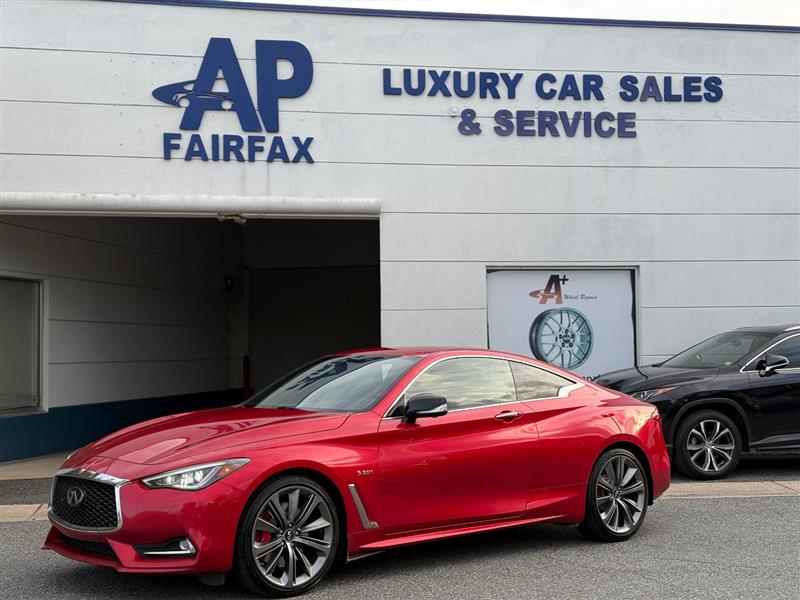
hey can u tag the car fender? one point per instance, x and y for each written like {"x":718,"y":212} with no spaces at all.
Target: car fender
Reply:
{"x":641,"y":432}
{"x":654,"y":457}
{"x":692,"y":404}
{"x":625,"y":440}
{"x":358,"y":469}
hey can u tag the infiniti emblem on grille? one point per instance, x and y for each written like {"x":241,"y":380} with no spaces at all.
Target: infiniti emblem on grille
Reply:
{"x":75,"y":496}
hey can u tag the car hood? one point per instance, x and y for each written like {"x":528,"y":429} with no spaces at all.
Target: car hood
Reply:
{"x":185,"y":435}
{"x":652,"y":377}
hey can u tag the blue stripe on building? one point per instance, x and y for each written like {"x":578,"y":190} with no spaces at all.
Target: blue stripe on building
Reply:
{"x":70,"y":427}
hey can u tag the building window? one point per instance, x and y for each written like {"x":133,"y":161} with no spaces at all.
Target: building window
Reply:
{"x":19,"y":344}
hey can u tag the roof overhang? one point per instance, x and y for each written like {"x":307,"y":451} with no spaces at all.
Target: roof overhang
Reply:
{"x":169,"y":205}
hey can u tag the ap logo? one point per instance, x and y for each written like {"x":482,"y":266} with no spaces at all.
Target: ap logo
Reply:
{"x":220,"y":68}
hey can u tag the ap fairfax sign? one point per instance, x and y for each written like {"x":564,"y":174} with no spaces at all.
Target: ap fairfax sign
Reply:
{"x":220,"y":68}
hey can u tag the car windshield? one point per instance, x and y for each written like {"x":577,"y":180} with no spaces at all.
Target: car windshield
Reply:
{"x":353,"y":383}
{"x":719,"y":351}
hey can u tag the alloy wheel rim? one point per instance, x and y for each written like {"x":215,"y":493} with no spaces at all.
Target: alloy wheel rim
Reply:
{"x":563,"y":338}
{"x":620,"y":494}
{"x":710,"y":445}
{"x":292,"y":536}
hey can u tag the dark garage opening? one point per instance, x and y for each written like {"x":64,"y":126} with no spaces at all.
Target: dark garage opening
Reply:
{"x":314,"y":289}
{"x":122,"y":319}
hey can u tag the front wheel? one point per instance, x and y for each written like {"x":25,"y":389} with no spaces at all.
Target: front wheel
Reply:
{"x":707,"y":445}
{"x":616,"y":497}
{"x":288,"y":538}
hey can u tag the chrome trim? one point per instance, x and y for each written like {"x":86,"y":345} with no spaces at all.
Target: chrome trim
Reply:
{"x":764,"y":351}
{"x":792,"y":328}
{"x":509,"y":414}
{"x":362,"y":512}
{"x":189,"y":551}
{"x":91,"y":476}
{"x":562,"y":392}
{"x":86,"y":474}
{"x":434,"y":412}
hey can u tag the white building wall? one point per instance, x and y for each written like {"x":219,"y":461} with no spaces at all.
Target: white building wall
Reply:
{"x":135,"y":308}
{"x":704,"y":203}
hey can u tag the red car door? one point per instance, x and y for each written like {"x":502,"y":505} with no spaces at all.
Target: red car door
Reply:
{"x":472,"y":464}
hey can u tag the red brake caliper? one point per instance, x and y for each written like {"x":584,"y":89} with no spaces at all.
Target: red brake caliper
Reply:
{"x":262,"y":537}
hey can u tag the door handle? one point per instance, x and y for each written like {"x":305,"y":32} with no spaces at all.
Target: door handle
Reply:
{"x":508,"y":415}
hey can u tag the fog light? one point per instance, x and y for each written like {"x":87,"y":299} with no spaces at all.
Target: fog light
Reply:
{"x":174,"y":547}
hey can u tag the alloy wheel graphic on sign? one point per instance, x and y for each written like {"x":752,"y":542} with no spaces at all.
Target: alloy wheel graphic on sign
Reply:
{"x":562,"y":337}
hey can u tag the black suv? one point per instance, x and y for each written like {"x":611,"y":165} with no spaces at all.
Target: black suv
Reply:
{"x":735,"y":392}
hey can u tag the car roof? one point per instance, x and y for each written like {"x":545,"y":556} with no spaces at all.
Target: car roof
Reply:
{"x":414,"y":351}
{"x":425,"y":352}
{"x":773,"y":329}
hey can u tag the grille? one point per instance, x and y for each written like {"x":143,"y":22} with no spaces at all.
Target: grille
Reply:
{"x":97,"y":509}
{"x":89,"y":547}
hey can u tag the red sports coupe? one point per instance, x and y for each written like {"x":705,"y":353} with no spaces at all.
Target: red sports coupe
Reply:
{"x":356,"y":453}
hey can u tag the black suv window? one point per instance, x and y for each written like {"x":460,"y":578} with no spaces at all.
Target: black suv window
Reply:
{"x":789,"y":348}
{"x":533,"y":383}
{"x":467,"y":382}
{"x":721,"y":350}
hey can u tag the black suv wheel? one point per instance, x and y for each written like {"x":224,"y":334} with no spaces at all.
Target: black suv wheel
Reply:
{"x":707,"y":445}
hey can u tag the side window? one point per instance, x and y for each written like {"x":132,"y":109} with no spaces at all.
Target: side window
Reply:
{"x":533,"y":383}
{"x":467,"y":382}
{"x":791,"y":350}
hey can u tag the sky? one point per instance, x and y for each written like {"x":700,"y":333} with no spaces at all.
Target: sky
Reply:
{"x":761,"y":12}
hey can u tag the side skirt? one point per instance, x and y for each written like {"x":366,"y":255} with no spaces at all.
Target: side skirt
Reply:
{"x":447,"y":533}
{"x":363,"y":555}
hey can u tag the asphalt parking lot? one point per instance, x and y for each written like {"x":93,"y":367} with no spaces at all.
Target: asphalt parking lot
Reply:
{"x":690,"y":547}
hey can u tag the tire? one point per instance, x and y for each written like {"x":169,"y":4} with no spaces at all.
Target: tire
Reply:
{"x":616,"y":497}
{"x":297,"y":519}
{"x":708,"y":445}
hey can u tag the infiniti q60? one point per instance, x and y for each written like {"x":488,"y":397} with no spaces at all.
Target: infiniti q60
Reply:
{"x":356,"y":453}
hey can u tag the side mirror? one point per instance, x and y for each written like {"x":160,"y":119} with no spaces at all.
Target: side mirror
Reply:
{"x":771,"y":363}
{"x":424,"y":405}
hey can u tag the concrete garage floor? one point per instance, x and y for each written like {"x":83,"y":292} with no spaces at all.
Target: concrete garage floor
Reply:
{"x":734,"y":539}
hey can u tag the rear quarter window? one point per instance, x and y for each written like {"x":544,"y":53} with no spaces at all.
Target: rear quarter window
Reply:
{"x":533,"y":383}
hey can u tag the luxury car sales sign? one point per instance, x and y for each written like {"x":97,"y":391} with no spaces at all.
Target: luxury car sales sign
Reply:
{"x":547,"y":88}
{"x":220,"y":86}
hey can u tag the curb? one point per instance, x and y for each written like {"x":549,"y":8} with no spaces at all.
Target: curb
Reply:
{"x":732,"y":489}
{"x":19,"y":513}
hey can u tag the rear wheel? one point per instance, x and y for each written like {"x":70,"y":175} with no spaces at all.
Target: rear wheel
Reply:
{"x":288,"y":538}
{"x":707,"y":445}
{"x":616,"y":497}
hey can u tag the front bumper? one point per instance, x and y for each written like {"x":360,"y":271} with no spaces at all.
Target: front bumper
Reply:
{"x":208,"y":518}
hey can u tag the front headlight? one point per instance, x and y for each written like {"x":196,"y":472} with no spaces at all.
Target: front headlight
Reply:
{"x":195,"y":477}
{"x":648,"y":395}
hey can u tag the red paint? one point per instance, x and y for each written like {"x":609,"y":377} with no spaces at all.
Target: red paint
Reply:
{"x":455,"y":469}
{"x":460,"y":473}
